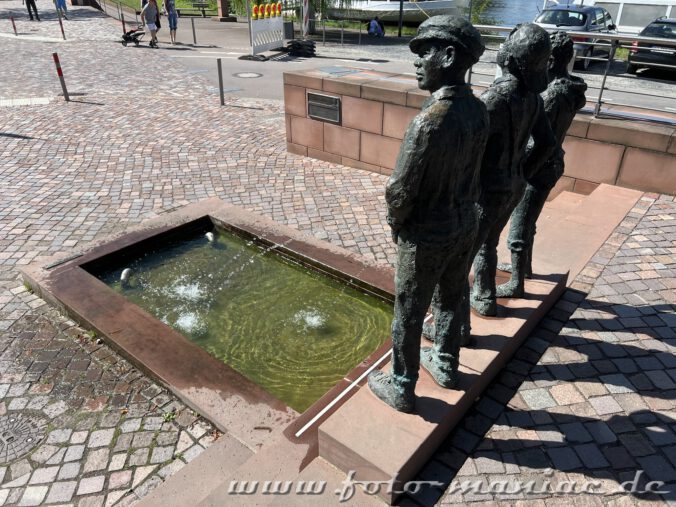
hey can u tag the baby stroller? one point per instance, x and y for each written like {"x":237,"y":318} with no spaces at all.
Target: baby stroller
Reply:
{"x":133,"y":36}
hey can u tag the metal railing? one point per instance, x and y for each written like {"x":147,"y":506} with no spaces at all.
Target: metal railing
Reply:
{"x":116,"y":9}
{"x":608,"y":43}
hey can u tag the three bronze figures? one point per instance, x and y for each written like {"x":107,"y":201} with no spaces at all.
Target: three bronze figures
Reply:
{"x":465,"y":166}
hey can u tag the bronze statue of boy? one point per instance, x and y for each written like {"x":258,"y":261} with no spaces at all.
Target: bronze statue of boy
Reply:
{"x":431,"y":201}
{"x":563,"y":98}
{"x":516,"y":112}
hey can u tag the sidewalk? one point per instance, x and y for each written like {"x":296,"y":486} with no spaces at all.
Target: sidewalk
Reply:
{"x":591,"y":395}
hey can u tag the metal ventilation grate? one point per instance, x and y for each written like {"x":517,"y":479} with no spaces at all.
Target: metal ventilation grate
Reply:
{"x":324,"y":107}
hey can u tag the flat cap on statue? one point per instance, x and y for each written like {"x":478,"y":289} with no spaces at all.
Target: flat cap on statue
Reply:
{"x":450,"y":30}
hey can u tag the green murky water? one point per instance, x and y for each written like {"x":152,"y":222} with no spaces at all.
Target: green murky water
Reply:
{"x":291,"y":330}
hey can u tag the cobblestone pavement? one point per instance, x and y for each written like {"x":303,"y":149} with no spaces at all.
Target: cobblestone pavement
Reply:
{"x":131,"y":148}
{"x":591,"y":394}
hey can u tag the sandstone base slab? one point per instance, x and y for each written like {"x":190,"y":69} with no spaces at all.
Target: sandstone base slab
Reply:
{"x":378,"y":443}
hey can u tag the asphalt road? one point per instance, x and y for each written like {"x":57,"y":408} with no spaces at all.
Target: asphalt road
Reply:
{"x":254,"y":79}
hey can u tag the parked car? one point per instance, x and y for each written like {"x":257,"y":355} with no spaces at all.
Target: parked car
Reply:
{"x":645,"y":54}
{"x":577,"y":18}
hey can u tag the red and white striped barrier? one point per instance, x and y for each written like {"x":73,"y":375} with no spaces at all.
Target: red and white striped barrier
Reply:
{"x":306,"y":18}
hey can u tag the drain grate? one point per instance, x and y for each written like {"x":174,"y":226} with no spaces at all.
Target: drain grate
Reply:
{"x":19,"y":435}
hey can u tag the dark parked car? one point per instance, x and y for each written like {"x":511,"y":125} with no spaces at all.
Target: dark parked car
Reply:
{"x":578,"y":18}
{"x":646,"y":54}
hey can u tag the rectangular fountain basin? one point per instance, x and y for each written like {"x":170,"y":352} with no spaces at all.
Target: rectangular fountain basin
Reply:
{"x":263,"y":329}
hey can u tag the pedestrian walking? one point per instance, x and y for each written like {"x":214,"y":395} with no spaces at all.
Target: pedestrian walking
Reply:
{"x":30,"y":4}
{"x":172,"y":17}
{"x":149,"y":16}
{"x":61,"y":6}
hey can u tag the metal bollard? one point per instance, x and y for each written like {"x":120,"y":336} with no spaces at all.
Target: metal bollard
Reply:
{"x":220,"y":81}
{"x":13,"y":25}
{"x":60,"y":74}
{"x":194,"y":37}
{"x":63,"y":34}
{"x":124,"y":28}
{"x":359,"y":33}
{"x":611,"y":57}
{"x":341,"y":32}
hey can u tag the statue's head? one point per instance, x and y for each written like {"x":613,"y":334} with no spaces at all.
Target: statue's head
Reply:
{"x":447,"y":47}
{"x":525,"y":55}
{"x":562,"y":51}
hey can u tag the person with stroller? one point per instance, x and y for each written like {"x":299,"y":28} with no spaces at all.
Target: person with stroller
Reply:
{"x":30,"y":4}
{"x":149,"y":16}
{"x":172,"y":16}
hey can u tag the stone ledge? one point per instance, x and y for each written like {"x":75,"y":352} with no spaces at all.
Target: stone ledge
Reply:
{"x":380,"y":444}
{"x":380,"y":104}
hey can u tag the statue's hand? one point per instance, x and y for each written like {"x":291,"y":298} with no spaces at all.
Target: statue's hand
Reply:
{"x":395,"y":235}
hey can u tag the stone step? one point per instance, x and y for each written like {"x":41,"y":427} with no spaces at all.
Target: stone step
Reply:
{"x":334,"y":489}
{"x":565,"y":201}
{"x":568,"y":244}
{"x":380,"y":444}
{"x":569,"y":234}
{"x":192,"y":483}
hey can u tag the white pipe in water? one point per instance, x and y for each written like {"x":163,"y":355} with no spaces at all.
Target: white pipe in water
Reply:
{"x":124,"y":277}
{"x":210,"y":237}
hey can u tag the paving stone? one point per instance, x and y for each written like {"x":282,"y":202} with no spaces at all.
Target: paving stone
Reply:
{"x":591,"y":456}
{"x":117,"y":462}
{"x":74,"y":453}
{"x":161,"y":454}
{"x":537,"y":399}
{"x":198,"y":429}
{"x":192,"y":453}
{"x":59,"y":436}
{"x":92,"y":501}
{"x":660,"y":435}
{"x":171,"y":468}
{"x":139,"y":457}
{"x":79,"y":437}
{"x":61,"y":492}
{"x":619,"y":458}
{"x":636,"y":445}
{"x":564,"y":458}
{"x":575,"y":432}
{"x":120,"y":479}
{"x":566,"y":394}
{"x":142,"y":439}
{"x":617,"y":383}
{"x":130,"y":425}
{"x":69,"y":471}
{"x":96,"y":460}
{"x":55,"y":409}
{"x":100,"y":438}
{"x":605,"y":405}
{"x":44,"y":475}
{"x":657,"y":468}
{"x":91,"y":485}
{"x":488,"y":463}
{"x":33,"y":495}
{"x":44,"y":452}
{"x":600,"y":432}
{"x":152,"y":423}
{"x":141,"y":473}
